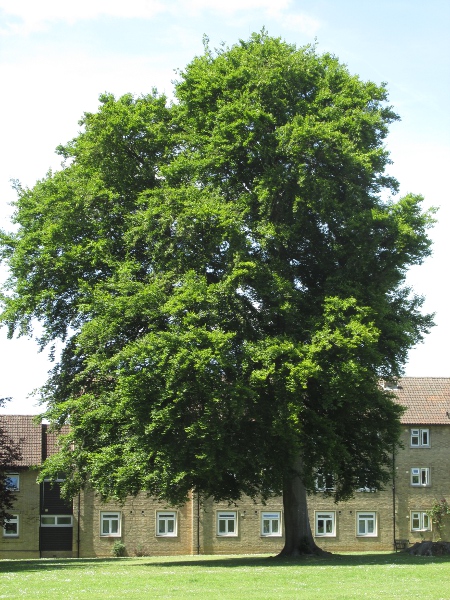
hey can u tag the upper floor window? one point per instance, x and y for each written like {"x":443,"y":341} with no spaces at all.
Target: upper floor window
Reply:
{"x":56,"y":521}
{"x":11,"y":527}
{"x":58,"y":478}
{"x":324,"y":483}
{"x":420,"y":438}
{"x":270,"y":524}
{"x":420,"y":476}
{"x":12,"y":481}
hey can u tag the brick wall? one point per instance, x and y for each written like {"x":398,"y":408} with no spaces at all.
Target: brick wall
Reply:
{"x":26,"y":545}
{"x":138,"y":521}
{"x":248,"y":538}
{"x":410,"y":498}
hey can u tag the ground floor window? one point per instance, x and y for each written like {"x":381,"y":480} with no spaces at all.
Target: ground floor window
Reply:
{"x":420,"y":521}
{"x":11,"y":527}
{"x":227,"y":523}
{"x":166,"y":523}
{"x":56,"y":521}
{"x":110,"y":524}
{"x":366,"y":524}
{"x":325,"y":523}
{"x":271,"y":524}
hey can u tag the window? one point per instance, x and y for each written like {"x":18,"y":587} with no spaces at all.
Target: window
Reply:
{"x":56,"y":521}
{"x":420,"y":438}
{"x":12,"y":481}
{"x":420,"y":521}
{"x":366,"y":524}
{"x":59,"y":477}
{"x":110,"y":524}
{"x":11,"y":527}
{"x":270,"y":524}
{"x":325,"y":523}
{"x":420,"y":476}
{"x":166,"y":523}
{"x":227,"y":523}
{"x":324,"y":483}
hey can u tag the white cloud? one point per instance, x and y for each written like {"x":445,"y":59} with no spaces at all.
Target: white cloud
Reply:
{"x":27,"y":16}
{"x":299,"y":22}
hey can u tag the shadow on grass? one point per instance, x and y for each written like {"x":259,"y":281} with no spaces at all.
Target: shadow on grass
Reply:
{"x":222,"y":562}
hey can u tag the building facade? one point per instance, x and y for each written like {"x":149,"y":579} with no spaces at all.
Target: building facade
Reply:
{"x":44,"y":525}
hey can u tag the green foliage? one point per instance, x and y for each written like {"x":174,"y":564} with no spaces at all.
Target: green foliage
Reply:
{"x":228,"y":280}
{"x":437,"y":514}
{"x":119,"y":549}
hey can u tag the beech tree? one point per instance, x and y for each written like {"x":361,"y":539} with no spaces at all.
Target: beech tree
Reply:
{"x":9,"y":455}
{"x":227,"y":273}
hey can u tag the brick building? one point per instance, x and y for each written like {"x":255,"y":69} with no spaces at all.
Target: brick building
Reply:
{"x":44,"y":525}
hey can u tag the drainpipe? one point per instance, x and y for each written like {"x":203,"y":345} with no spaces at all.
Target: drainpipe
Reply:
{"x":78,"y":525}
{"x":198,"y":523}
{"x":393,"y":495}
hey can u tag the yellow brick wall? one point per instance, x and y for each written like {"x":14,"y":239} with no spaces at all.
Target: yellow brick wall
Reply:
{"x":197,"y":531}
{"x":346,"y":538}
{"x":248,"y":539}
{"x":26,"y":545}
{"x":410,"y":498}
{"x":138,"y":527}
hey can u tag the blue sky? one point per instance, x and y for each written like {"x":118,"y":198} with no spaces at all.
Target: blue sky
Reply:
{"x":56,"y":58}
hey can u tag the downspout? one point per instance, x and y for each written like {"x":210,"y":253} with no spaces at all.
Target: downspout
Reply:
{"x":78,"y":524}
{"x":198,"y":523}
{"x":41,"y":485}
{"x":393,"y":496}
{"x":41,"y":493}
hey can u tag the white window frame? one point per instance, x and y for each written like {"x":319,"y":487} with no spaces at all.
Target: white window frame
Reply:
{"x":59,"y":478}
{"x":110,"y":517}
{"x":420,"y":521}
{"x":271,"y":524}
{"x":419,"y":438}
{"x":366,"y":518}
{"x":420,"y":476}
{"x":13,"y":521}
{"x":57,"y":521}
{"x":224,"y":520}
{"x":328,"y":526}
{"x":324,"y":483}
{"x":164,"y":519}
{"x":10,"y":483}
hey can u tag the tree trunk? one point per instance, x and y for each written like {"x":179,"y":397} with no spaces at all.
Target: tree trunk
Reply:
{"x":298,"y":535}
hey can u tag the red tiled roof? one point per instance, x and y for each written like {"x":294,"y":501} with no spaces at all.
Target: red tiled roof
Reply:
{"x":427,"y":400}
{"x":23,"y":430}
{"x":52,"y":439}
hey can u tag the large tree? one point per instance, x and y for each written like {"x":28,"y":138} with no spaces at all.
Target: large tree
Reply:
{"x":227,"y":273}
{"x":10,"y":454}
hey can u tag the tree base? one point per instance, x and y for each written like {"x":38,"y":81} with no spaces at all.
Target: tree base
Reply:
{"x":429,"y":549}
{"x":305,"y":548}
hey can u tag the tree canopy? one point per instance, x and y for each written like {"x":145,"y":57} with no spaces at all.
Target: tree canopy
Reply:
{"x":227,"y":272}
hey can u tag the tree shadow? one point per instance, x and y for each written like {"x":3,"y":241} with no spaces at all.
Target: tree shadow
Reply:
{"x":221,"y":562}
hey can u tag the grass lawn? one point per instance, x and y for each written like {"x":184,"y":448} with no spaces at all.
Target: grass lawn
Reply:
{"x":380,"y":576}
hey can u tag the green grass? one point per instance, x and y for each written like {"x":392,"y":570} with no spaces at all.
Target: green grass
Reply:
{"x":380,"y":576}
